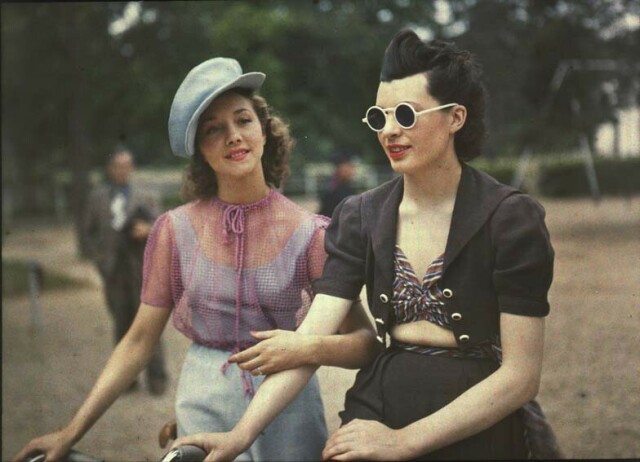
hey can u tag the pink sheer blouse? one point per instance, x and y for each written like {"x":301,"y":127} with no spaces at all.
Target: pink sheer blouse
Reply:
{"x":227,"y":269}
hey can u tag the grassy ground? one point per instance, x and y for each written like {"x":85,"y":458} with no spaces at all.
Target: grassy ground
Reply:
{"x":16,"y":276}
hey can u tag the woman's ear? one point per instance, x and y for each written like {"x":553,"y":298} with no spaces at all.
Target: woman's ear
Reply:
{"x":458,"y":117}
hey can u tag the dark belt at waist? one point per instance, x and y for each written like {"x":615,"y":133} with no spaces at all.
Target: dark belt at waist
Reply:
{"x":482,"y":351}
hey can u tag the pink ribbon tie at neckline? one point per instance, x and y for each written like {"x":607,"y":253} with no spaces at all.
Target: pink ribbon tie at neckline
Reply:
{"x":232,"y":222}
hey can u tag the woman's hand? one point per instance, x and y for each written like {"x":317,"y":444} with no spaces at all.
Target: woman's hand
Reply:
{"x":55,"y":446}
{"x":278,"y":350}
{"x":140,"y":230}
{"x":219,"y":446}
{"x":366,"y":440}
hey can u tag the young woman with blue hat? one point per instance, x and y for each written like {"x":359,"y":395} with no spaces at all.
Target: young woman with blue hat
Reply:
{"x":237,"y":259}
{"x":457,"y":269}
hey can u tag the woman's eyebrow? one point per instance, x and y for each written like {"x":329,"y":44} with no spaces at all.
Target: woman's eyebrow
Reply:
{"x":213,"y":116}
{"x":412,"y":103}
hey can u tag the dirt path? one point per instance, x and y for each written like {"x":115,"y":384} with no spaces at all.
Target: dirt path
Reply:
{"x":590,"y":388}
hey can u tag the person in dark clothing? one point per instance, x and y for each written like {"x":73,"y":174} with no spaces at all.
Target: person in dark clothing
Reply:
{"x":116,"y":224}
{"x":340,"y":185}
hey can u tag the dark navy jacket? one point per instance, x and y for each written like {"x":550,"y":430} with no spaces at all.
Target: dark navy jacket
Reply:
{"x":498,"y":256}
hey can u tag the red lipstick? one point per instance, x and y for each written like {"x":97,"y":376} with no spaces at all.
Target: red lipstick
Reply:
{"x":397,"y":151}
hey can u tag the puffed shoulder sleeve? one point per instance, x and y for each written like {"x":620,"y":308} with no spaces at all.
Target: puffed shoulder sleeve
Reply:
{"x":316,"y":256}
{"x":158,"y":264}
{"x":523,"y":254}
{"x":345,"y":244}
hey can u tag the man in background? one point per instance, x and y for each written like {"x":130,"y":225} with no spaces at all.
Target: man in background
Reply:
{"x":116,"y":224}
{"x":341,"y":183}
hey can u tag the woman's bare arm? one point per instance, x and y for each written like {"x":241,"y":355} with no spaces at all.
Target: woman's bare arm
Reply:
{"x":128,"y":359}
{"x":279,"y":350}
{"x":515,"y":383}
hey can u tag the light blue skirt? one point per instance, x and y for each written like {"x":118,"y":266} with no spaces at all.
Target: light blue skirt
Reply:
{"x":209,"y":400}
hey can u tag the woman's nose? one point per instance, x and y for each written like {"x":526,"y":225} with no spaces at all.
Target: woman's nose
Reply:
{"x":391,"y":127}
{"x":233,"y":135}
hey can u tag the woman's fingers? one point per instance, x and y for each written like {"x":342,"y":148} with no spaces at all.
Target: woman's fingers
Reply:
{"x":256,"y":366}
{"x":265,"y":334}
{"x":54,"y":445}
{"x":337,"y":444}
{"x":361,"y":440}
{"x":337,"y":452}
{"x":277,"y":350}
{"x":28,"y":450}
{"x":218,"y":446}
{"x":246,"y":355}
{"x":195,"y":440}
{"x":211,"y":457}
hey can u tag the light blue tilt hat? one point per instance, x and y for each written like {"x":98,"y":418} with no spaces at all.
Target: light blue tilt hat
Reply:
{"x":198,"y":89}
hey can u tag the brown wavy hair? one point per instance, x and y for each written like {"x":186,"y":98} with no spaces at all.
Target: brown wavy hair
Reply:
{"x":200,"y":180}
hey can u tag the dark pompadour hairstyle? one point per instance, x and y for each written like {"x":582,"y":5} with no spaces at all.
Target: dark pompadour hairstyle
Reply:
{"x":453,"y":76}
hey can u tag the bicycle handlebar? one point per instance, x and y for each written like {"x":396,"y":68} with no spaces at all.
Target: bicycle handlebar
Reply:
{"x":73,"y":456}
{"x":185,"y":453}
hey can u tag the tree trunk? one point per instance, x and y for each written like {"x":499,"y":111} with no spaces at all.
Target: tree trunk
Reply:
{"x":616,"y":137}
{"x":78,"y":133}
{"x":9,"y":185}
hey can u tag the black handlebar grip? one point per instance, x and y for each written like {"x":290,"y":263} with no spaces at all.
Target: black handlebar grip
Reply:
{"x":186,"y":453}
{"x":73,"y":456}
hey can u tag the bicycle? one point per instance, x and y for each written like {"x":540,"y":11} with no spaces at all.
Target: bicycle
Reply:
{"x":186,"y":453}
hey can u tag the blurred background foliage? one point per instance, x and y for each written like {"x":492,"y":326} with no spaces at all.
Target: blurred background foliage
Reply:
{"x":79,"y":78}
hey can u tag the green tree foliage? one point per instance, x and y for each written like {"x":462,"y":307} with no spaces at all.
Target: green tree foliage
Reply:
{"x":522,"y":43}
{"x":322,"y":61}
{"x":57,"y":103}
{"x":71,"y":89}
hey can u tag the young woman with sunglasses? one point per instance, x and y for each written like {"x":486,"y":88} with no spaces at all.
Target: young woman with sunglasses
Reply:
{"x":457,"y":268}
{"x":238,"y":258}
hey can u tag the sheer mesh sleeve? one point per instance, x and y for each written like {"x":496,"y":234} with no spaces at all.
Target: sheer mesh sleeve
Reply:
{"x":158,"y":263}
{"x":523,"y":256}
{"x":316,"y":256}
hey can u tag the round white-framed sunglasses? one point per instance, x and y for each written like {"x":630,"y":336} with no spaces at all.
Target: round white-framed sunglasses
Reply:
{"x":404,"y":113}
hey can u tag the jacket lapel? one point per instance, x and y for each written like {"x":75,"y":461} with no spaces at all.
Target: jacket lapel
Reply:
{"x":385,"y":226}
{"x":477,"y":197}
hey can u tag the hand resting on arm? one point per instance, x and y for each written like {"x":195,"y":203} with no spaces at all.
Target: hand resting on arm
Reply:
{"x":324,"y":318}
{"x":280,"y":350}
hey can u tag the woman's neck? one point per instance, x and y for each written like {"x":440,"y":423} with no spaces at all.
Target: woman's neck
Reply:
{"x":242,"y":191}
{"x":437,"y":186}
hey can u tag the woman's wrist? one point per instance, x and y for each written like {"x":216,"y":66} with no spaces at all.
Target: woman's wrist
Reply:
{"x":243,"y":437}
{"x":409,"y":448}
{"x":312,"y":349}
{"x":71,"y":434}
